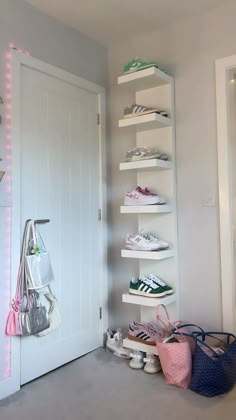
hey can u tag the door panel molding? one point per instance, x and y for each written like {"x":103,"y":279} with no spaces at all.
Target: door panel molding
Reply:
{"x":12,"y":384}
{"x":222,"y":67}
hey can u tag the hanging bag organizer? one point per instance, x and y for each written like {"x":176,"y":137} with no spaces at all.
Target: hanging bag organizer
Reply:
{"x":28,"y":316}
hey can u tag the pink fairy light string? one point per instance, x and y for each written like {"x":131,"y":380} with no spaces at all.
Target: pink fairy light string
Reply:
{"x":8,"y":209}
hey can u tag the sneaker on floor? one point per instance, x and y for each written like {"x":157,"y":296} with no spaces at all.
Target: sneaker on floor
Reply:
{"x":136,"y":361}
{"x":159,"y":282}
{"x":143,"y":153}
{"x":114,"y":343}
{"x":144,"y":286}
{"x":146,"y":333}
{"x":137,"y":64}
{"x":135,"y":110}
{"x":139,"y":243}
{"x":140,"y":197}
{"x":152,"y":363}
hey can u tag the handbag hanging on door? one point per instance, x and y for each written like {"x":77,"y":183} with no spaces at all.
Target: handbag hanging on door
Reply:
{"x":39,"y":271}
{"x":27,"y":316}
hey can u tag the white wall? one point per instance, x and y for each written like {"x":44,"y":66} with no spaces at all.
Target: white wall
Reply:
{"x":188,"y":51}
{"x":58,"y":45}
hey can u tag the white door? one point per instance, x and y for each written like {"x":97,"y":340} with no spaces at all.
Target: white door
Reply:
{"x":59,"y":180}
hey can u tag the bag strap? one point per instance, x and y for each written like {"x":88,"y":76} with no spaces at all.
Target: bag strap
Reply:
{"x":25,"y":251}
{"x":21,"y":266}
{"x":39,"y":239}
{"x":187,"y":325}
{"x":165,"y":320}
{"x":212,"y":334}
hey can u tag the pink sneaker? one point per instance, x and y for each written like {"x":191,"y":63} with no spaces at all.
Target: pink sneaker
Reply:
{"x":146,"y":333}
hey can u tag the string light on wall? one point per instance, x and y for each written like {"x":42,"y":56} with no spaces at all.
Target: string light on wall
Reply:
{"x":8,"y":208}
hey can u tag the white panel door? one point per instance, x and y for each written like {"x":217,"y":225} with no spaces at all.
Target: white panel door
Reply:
{"x":60,"y":181}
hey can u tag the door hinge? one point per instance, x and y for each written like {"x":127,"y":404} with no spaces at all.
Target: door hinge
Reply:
{"x":98,"y":119}
{"x":99,"y":214}
{"x":100,"y":312}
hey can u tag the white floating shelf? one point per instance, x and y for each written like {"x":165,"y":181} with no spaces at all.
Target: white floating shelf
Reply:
{"x":148,"y":301}
{"x":149,"y":163}
{"x":146,"y":122}
{"x":144,"y":79}
{"x":146,"y":209}
{"x":148,"y":255}
{"x":135,"y":345}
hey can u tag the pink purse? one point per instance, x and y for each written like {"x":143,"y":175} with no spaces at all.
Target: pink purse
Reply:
{"x":176,"y":363}
{"x":175,"y":357}
{"x":12,"y":323}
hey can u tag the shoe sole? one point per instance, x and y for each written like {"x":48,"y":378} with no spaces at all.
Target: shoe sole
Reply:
{"x":141,"y":68}
{"x":135,"y":159}
{"x":135,"y":248}
{"x":136,"y":114}
{"x":154,"y":370}
{"x":139,"y":340}
{"x":131,"y":202}
{"x":139,"y":293}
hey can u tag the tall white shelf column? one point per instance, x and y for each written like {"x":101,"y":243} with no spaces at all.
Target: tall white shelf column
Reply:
{"x":152,"y":87}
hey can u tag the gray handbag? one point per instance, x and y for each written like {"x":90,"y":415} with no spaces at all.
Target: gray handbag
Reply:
{"x":34,"y":320}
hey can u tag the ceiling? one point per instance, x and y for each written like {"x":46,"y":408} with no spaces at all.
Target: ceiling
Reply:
{"x":109,"y":21}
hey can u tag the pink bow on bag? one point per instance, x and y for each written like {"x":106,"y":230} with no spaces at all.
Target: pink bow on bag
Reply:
{"x":12,"y":324}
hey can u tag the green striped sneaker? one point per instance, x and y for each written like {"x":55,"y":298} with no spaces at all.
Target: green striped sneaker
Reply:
{"x":137,"y":64}
{"x":167,"y":289}
{"x":144,"y":286}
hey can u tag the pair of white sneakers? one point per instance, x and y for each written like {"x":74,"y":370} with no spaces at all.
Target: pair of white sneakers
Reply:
{"x":149,"y":363}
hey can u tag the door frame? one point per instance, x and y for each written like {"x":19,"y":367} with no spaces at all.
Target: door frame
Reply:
{"x":12,"y":384}
{"x":222,"y":66}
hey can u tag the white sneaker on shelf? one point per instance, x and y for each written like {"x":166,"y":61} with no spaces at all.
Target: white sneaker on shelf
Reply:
{"x":152,"y":363}
{"x":139,"y":243}
{"x":137,"y":360}
{"x":140,"y":197}
{"x":149,"y":236}
{"x":114,"y":343}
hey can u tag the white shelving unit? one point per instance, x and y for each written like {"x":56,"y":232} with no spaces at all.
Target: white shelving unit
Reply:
{"x":146,"y":209}
{"x":135,"y":345}
{"x":144,"y":164}
{"x":147,"y":301}
{"x":152,"y":87}
{"x":146,"y":122}
{"x":147,"y":255}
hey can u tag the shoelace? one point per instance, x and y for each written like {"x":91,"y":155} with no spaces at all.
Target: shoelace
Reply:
{"x":149,"y":282}
{"x":156,"y":280}
{"x":152,"y":329}
{"x":137,"y":149}
{"x":149,"y":236}
{"x":144,"y":191}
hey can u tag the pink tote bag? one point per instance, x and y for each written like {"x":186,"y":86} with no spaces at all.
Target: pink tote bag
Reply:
{"x":176,"y":363}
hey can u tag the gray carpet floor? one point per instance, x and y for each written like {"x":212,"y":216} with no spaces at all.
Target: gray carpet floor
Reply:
{"x":100,"y":386}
